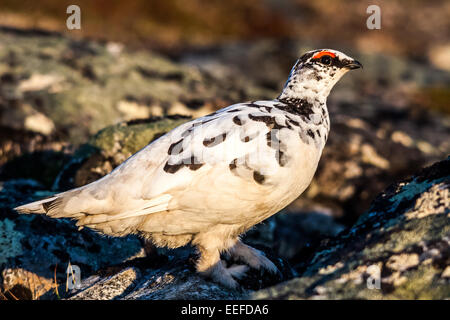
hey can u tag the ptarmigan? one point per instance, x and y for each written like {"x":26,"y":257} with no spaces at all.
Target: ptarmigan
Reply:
{"x":211,"y":179}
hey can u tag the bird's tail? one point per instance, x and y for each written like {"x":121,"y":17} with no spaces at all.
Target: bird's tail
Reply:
{"x":52,"y":206}
{"x":104,"y":214}
{"x":37,"y":207}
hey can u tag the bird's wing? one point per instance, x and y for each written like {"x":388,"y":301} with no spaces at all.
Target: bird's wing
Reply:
{"x":228,"y":139}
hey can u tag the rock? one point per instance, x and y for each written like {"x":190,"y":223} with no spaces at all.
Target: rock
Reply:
{"x":21,"y":284}
{"x":108,"y":288}
{"x":169,"y":277}
{"x":293,"y":234}
{"x":398,"y":249}
{"x":35,"y":250}
{"x":440,"y":56}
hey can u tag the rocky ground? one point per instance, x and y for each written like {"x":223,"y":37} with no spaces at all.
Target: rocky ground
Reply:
{"x":72,"y":110}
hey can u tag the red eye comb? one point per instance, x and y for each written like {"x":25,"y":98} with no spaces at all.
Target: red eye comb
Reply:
{"x":323,"y":53}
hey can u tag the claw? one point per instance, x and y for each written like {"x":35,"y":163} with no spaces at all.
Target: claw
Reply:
{"x":254,"y":258}
{"x":237,"y":271}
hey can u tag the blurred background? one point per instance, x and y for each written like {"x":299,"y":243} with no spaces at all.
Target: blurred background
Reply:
{"x":134,"y":65}
{"x":414,"y":29}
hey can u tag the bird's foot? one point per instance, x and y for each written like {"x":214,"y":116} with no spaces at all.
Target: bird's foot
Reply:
{"x":253,"y":257}
{"x":237,"y":271}
{"x":226,"y":276}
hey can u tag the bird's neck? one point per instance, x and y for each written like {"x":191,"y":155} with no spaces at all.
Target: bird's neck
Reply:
{"x":310,"y":92}
{"x":306,"y":84}
{"x":308,"y":101}
{"x":304,"y":99}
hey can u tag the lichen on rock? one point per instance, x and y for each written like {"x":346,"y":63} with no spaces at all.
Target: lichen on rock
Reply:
{"x":10,"y":245}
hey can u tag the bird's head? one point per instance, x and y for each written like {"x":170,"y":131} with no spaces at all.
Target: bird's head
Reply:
{"x":316,"y":72}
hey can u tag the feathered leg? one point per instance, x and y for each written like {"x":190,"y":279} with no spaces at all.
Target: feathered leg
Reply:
{"x":251,"y":256}
{"x":210,"y":265}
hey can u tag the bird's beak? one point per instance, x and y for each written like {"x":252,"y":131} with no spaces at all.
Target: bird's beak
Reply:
{"x":355,"y":64}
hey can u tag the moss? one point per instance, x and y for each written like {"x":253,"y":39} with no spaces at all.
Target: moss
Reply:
{"x":133,"y":137}
{"x":421,"y":283}
{"x":405,"y":234}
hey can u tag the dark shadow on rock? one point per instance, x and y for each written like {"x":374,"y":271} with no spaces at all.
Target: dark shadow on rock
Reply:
{"x":294,"y":236}
{"x":41,"y":166}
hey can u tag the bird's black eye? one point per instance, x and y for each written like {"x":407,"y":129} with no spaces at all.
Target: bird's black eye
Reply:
{"x":326,"y":60}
